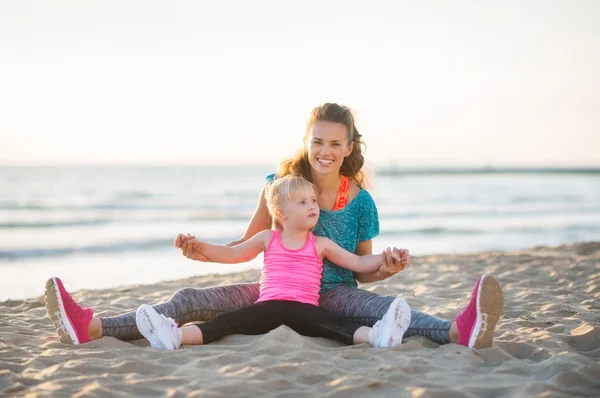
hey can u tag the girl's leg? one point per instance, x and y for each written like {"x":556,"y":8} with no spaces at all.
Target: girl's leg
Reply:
{"x":309,"y":320}
{"x":187,"y":305}
{"x":163,"y":332}
{"x":258,"y":318}
{"x":76,"y":325}
{"x":366,"y":308}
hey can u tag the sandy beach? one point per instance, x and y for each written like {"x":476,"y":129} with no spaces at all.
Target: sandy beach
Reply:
{"x":547,"y":343}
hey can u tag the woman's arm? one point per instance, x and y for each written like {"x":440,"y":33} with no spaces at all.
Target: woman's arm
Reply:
{"x":241,"y":253}
{"x":260,"y":221}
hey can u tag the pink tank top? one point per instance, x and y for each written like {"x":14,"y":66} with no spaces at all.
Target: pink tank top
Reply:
{"x":293,"y":275}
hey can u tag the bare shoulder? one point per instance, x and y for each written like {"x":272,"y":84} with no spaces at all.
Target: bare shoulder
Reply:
{"x":353,"y":190}
{"x":322,"y":243}
{"x":264,"y":236}
{"x":267,"y":234}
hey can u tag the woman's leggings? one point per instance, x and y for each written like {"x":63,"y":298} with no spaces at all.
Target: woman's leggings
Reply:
{"x":306,"y":319}
{"x":193,"y":305}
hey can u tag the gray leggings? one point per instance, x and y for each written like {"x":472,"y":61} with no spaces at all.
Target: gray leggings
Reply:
{"x":193,"y":305}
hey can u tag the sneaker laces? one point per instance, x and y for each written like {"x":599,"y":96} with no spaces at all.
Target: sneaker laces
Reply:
{"x":79,"y":311}
{"x":171,"y":321}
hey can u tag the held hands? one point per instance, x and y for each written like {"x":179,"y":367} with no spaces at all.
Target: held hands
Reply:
{"x":190,"y":247}
{"x":394,"y":261}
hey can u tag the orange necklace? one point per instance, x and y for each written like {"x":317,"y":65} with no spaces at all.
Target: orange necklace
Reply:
{"x":342,"y":196}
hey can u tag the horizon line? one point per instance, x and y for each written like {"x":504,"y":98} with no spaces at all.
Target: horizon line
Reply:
{"x":380,"y":167}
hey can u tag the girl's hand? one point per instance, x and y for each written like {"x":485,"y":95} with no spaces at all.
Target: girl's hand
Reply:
{"x":190,"y":247}
{"x":394,"y":261}
{"x":180,"y":239}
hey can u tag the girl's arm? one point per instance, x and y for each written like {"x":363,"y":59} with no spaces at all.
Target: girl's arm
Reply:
{"x":241,"y":253}
{"x":388,"y":268}
{"x":337,"y":255}
{"x":363,"y":249}
{"x":259,"y":221}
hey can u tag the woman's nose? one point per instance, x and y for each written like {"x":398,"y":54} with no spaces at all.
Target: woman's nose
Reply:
{"x":325,"y":149}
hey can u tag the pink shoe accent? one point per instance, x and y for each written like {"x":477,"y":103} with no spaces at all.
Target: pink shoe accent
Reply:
{"x":70,"y":319}
{"x":477,"y":322}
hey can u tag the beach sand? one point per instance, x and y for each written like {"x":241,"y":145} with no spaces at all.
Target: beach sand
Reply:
{"x":547,"y":343}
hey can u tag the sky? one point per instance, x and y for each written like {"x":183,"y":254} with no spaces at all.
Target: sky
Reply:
{"x":232,"y":82}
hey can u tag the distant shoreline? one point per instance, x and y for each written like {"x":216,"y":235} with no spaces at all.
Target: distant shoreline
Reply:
{"x":380,"y":169}
{"x":398,"y":171}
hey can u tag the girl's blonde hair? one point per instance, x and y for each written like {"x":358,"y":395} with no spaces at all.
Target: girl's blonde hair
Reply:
{"x":352,"y":167}
{"x":282,"y":190}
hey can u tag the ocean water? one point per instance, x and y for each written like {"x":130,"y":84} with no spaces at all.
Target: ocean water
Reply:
{"x":99,"y":227}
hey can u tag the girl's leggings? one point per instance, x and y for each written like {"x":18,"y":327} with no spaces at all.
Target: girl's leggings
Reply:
{"x":306,"y":319}
{"x":203,"y":304}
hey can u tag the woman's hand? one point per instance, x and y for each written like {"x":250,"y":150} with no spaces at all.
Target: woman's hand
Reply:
{"x":394,"y":261}
{"x":190,"y":247}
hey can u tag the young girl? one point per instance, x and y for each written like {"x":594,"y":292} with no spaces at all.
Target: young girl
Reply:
{"x":289,"y":285}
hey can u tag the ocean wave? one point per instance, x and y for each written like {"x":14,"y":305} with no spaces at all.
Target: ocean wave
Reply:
{"x":28,"y":224}
{"x":487,"y":212}
{"x":489,"y":230}
{"x":52,"y":224}
{"x":104,"y":248}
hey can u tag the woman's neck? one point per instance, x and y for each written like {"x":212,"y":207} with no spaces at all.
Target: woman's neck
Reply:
{"x":326,"y":183}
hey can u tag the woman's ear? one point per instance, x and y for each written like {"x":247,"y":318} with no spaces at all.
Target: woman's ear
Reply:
{"x":350,"y":149}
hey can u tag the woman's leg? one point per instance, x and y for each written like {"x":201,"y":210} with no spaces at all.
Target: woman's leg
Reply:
{"x":186,"y":305}
{"x":473,"y":327}
{"x":76,"y":325}
{"x":367,"y":308}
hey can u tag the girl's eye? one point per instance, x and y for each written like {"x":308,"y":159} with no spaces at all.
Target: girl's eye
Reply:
{"x":302,"y":202}
{"x":314,"y":201}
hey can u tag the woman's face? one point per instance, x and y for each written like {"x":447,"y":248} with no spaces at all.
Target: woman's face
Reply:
{"x":327,"y":145}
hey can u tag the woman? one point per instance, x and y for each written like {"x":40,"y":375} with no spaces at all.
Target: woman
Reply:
{"x":331,"y":158}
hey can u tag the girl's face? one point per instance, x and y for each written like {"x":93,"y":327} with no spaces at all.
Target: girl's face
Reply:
{"x":327,"y":145}
{"x":301,"y":211}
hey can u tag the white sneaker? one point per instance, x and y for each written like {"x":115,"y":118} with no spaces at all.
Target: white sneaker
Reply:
{"x":161,"y":332}
{"x":389,"y":330}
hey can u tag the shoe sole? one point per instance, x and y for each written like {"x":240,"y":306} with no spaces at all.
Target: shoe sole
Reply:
{"x":57,"y":313}
{"x":402,"y":322}
{"x":144,"y":324}
{"x":490,"y":306}
{"x":399,"y":311}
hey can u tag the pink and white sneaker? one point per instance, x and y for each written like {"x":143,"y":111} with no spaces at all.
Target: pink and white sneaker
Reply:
{"x":160,"y":331}
{"x":477,"y":322}
{"x":69,"y":318}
